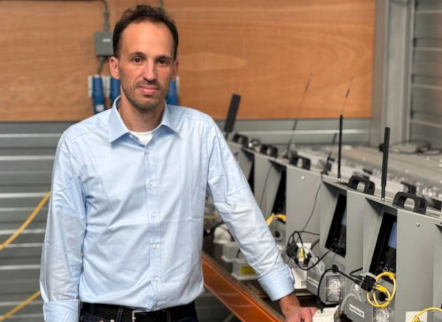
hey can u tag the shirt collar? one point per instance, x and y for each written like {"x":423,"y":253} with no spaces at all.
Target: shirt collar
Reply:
{"x":117,"y":128}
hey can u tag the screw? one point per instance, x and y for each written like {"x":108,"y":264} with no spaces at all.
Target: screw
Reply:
{"x":302,"y":178}
{"x":418,"y":224}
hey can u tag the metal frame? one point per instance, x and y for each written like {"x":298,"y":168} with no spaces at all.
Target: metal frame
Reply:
{"x":392,"y":69}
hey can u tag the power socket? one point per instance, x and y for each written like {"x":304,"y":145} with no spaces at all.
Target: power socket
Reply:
{"x":106,"y":86}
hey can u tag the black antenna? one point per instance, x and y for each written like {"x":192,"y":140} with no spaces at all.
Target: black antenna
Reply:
{"x":231,"y":115}
{"x":327,"y":161}
{"x":301,"y":104}
{"x":341,"y":121}
{"x":385,"y":161}
{"x":346,"y":96}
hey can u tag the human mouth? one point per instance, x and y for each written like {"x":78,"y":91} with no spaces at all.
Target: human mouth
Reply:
{"x":148,"y":90}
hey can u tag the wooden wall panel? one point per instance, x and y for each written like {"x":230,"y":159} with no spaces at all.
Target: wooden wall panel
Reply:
{"x":263,"y":50}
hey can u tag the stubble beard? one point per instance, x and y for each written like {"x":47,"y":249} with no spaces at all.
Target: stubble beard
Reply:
{"x":141,"y":105}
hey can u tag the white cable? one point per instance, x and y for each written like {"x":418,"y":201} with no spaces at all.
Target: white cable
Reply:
{"x":320,"y":268}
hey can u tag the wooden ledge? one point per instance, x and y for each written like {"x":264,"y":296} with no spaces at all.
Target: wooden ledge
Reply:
{"x":235,"y":296}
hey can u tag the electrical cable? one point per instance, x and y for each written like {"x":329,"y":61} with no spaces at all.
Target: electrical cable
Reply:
{"x":265,"y":186}
{"x":276,"y":216}
{"x":344,"y":301}
{"x":380,"y":288}
{"x":105,"y":14}
{"x":20,"y":306}
{"x":314,"y":265}
{"x":26,"y":223}
{"x":292,"y":237}
{"x":300,"y":106}
{"x":416,"y":318}
{"x":100,"y":66}
{"x":161,"y":5}
{"x":349,"y":277}
{"x":319,"y":302}
{"x":316,"y":242}
{"x":10,"y":240}
{"x":353,"y":272}
{"x":313,"y":209}
{"x":308,"y":233}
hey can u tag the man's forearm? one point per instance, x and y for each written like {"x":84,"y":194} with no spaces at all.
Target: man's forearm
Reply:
{"x":292,"y":310}
{"x":289,"y":303}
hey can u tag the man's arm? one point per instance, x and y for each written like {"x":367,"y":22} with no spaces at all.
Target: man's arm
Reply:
{"x":61,"y":261}
{"x":292,"y":310}
{"x":237,"y":206}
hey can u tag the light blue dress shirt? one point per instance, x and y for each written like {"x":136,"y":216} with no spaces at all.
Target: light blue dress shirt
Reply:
{"x":125,"y":221}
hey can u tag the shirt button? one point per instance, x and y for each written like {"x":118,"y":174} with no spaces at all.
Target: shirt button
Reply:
{"x":147,"y":152}
{"x":151,"y":183}
{"x":154,"y":247}
{"x":154,"y":215}
{"x":157,"y":279}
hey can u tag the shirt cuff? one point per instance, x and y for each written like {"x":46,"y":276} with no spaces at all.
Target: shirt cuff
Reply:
{"x":61,"y":311}
{"x":278,"y":283}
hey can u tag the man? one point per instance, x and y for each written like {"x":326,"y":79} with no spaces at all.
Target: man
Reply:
{"x":125,"y":224}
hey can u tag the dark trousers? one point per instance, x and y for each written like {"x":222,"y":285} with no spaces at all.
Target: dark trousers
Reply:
{"x":166,"y":317}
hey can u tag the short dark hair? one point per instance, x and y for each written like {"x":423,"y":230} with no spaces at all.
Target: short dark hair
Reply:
{"x":144,"y":13}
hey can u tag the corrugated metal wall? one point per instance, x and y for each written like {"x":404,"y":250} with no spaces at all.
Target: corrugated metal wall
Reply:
{"x":26,"y":158}
{"x":426,"y":99}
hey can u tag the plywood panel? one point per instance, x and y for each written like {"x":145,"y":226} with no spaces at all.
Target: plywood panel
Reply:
{"x":263,"y":50}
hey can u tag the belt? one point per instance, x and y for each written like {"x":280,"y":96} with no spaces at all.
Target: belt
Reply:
{"x":110,"y":312}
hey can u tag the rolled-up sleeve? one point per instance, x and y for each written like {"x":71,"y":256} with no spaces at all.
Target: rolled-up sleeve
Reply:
{"x":236,"y":204}
{"x":61,"y":262}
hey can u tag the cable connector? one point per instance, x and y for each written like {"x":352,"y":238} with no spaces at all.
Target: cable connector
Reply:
{"x":301,"y":254}
{"x":368,"y":283}
{"x":307,"y":259}
{"x":292,"y":250}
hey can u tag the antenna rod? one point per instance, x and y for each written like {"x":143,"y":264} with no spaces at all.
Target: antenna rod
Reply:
{"x":327,"y":162}
{"x":341,"y":119}
{"x":231,"y":114}
{"x":301,"y":104}
{"x":385,"y":161}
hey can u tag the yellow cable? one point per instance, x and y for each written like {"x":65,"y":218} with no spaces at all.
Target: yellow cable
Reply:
{"x":26,"y":223}
{"x":416,"y":318}
{"x":10,"y":240}
{"x":382,"y":289}
{"x":275,"y":216}
{"x":20,"y":306}
{"x":270,"y":219}
{"x":282,"y":217}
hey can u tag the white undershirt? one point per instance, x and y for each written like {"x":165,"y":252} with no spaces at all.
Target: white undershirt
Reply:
{"x":144,"y":137}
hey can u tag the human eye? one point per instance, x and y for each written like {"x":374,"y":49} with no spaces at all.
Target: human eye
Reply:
{"x":163,"y":61}
{"x":137,"y":60}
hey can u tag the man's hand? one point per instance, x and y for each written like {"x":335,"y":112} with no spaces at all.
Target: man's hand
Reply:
{"x":293,"y":311}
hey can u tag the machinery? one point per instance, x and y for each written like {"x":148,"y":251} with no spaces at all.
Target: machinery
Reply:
{"x":370,"y":254}
{"x":397,"y":270}
{"x":246,"y":160}
{"x":437,"y":275}
{"x":342,"y":208}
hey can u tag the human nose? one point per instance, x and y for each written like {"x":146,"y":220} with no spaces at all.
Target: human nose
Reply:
{"x":149,"y":72}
